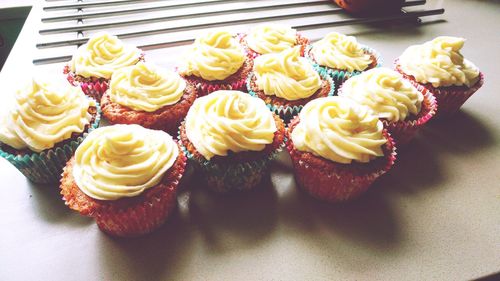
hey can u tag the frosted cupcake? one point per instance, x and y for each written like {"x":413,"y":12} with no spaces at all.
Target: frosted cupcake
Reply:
{"x":94,"y":62}
{"x":272,"y":38}
{"x":438,"y":66}
{"x":215,"y":61}
{"x":149,"y":96}
{"x":342,"y":56}
{"x":338,"y":148}
{"x":47,"y":123}
{"x":286,"y":82}
{"x":125,"y":177}
{"x":231,"y":137}
{"x":402,"y":107}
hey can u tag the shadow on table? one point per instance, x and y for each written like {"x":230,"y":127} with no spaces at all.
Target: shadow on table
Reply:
{"x":48,"y":205}
{"x":417,"y":168}
{"x":368,"y":220}
{"x":159,"y":254}
{"x":233,"y":221}
{"x":462,"y":133}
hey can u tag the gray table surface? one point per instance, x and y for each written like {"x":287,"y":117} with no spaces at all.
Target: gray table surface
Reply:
{"x":435,"y":216}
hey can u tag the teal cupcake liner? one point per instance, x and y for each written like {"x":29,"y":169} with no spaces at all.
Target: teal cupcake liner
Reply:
{"x":340,"y":76}
{"x":288,"y":112}
{"x":224,"y":178}
{"x":47,"y":166}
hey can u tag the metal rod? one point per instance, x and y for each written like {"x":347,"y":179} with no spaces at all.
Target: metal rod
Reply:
{"x":184,"y":27}
{"x":132,"y":10}
{"x":83,"y":5}
{"x":409,"y":15}
{"x":172,"y":17}
{"x":170,"y":6}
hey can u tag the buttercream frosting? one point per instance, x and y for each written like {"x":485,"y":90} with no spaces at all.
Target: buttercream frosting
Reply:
{"x":122,"y":161}
{"x":339,"y":130}
{"x":229,"y":121}
{"x":102,"y":55}
{"x":440,"y":63}
{"x":386,"y":92}
{"x":214,"y":56}
{"x":45,"y":113}
{"x":342,"y":52}
{"x":145,"y":87}
{"x":271,"y":38}
{"x":286,"y":75}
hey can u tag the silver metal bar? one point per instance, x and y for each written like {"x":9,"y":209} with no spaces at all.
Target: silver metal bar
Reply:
{"x":184,"y":27}
{"x":132,"y":10}
{"x":83,"y":5}
{"x":169,"y":6}
{"x":222,"y":10}
{"x":405,"y":16}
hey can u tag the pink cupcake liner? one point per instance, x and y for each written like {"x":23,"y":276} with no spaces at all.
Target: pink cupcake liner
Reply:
{"x":338,"y":182}
{"x":206,"y":87}
{"x":94,"y":89}
{"x":404,"y":131}
{"x":134,"y":220}
{"x":449,"y":99}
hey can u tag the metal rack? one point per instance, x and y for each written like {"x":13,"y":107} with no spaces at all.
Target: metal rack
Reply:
{"x":66,"y":24}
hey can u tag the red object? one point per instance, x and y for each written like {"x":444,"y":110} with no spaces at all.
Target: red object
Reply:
{"x":369,"y":6}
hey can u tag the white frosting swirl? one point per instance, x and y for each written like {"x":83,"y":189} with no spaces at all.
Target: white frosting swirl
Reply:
{"x":102,"y":55}
{"x":340,"y":130}
{"x":386,"y":92}
{"x":286,"y":75}
{"x":271,"y":38}
{"x":144,"y":87}
{"x":342,"y":52}
{"x":46,"y":112}
{"x":229,"y":121}
{"x":214,"y":56}
{"x":440,"y":63}
{"x":122,"y":161}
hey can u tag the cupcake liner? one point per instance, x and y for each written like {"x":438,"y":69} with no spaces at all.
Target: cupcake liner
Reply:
{"x":47,"y":166}
{"x":404,"y":131}
{"x":449,"y":100}
{"x":340,"y":76}
{"x":338,"y":182}
{"x":284,"y":111}
{"x":302,"y":41}
{"x":232,"y":177}
{"x":93,"y":88}
{"x":206,"y":87}
{"x":139,"y":217}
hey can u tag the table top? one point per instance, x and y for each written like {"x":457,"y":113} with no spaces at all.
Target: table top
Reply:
{"x":434,"y":216}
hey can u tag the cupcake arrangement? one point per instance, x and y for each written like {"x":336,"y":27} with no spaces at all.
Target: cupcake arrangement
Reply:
{"x":233,"y":103}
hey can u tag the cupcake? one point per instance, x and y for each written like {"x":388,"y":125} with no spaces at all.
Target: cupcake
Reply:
{"x":438,"y":66}
{"x":272,"y":38}
{"x":286,"y":82}
{"x":338,"y":148}
{"x":125,"y":177}
{"x":94,"y":62}
{"x":216,"y":61}
{"x":342,"y":56}
{"x":47,"y":123}
{"x":231,"y":136}
{"x":402,"y":107}
{"x":149,"y":96}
